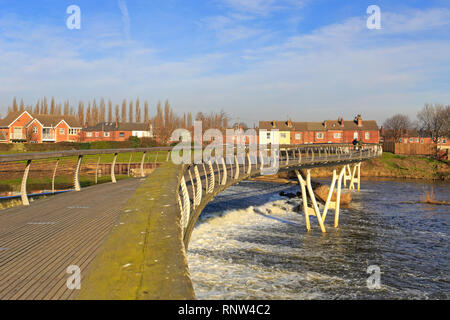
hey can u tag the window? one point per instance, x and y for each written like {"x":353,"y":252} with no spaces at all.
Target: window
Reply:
{"x":122,"y":134}
{"x":268,"y":135}
{"x":298,"y":136}
{"x":73,"y":131}
{"x":89,"y":134}
{"x":106,"y":134}
{"x":401,"y":140}
{"x":283,"y":135}
{"x":319,"y":135}
{"x":355,"y":135}
{"x":35,"y":129}
{"x":337,"y":135}
{"x":439,"y":140}
{"x":417,"y":140}
{"x":62,"y":131}
{"x":367,"y":135}
{"x":422,"y":141}
{"x":411,"y":140}
{"x":444,"y":141}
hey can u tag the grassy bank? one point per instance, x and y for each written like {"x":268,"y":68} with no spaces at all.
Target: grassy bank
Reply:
{"x":399,"y":166}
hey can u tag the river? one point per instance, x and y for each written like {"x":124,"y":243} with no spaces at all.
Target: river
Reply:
{"x":251,"y":244}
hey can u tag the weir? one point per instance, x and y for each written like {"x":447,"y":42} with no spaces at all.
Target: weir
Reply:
{"x":140,"y":252}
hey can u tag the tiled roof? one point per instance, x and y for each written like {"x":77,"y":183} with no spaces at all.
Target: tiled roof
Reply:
{"x":369,"y":125}
{"x":111,"y":126}
{"x":6,"y":121}
{"x":53,"y":120}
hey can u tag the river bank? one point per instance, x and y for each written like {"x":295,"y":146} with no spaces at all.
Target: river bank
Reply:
{"x":387,"y":166}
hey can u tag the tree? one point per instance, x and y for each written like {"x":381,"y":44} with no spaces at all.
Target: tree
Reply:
{"x":52,"y":106}
{"x":15,"y":107}
{"x":117,"y":113}
{"x":138,"y":111}
{"x":396,"y":126}
{"x":110,"y":111}
{"x":124,"y":111}
{"x":130,"y":112}
{"x":433,"y":120}
{"x":81,"y":113}
{"x":146,"y":115}
{"x":102,"y":116}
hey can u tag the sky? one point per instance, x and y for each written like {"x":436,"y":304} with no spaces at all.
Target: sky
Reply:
{"x":308,"y":60}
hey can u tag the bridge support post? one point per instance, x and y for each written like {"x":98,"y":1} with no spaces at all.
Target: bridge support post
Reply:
{"x":307,"y":210}
{"x":249,"y":170}
{"x":236,"y":174}
{"x":225,"y":174}
{"x":113,"y":169}
{"x":185,"y":213}
{"x":353,"y":179}
{"x":206,"y":177}
{"x":129,"y":165}
{"x":338,"y":198}
{"x":199,"y":190}
{"x":142,"y":165}
{"x":76,"y":177}
{"x":23,"y":186}
{"x":304,"y":200}
{"x":219,"y":181}
{"x":96,"y":170}
{"x":212,"y":178}
{"x":54,"y":176}
{"x":359,"y":177}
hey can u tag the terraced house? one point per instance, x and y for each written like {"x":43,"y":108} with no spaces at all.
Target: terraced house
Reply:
{"x":22,"y":126}
{"x":328,"y":131}
{"x":115,"y":131}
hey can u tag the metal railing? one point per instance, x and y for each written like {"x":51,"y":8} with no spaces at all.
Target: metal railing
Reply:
{"x":287,"y":156}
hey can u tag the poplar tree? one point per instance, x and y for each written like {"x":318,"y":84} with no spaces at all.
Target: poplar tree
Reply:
{"x":146,"y":116}
{"x":102,"y":116}
{"x":110,"y":111}
{"x":138,"y":111}
{"x":130,"y":112}
{"x":124,"y":111}
{"x":117,"y":113}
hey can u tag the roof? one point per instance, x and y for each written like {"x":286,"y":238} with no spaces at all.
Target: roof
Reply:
{"x":111,"y":126}
{"x":53,"y":120}
{"x":10,"y":118}
{"x":368,"y":125}
{"x":280,"y":125}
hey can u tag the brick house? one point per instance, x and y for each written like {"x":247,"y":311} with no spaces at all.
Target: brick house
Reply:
{"x":13,"y":127}
{"x":115,"y":131}
{"x":26,"y":127}
{"x":53,"y":128}
{"x":329,"y":131}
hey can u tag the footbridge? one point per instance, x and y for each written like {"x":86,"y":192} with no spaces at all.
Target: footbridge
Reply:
{"x":126,"y":239}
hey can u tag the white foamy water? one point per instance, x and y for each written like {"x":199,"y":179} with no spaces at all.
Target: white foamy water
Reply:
{"x":250,"y":243}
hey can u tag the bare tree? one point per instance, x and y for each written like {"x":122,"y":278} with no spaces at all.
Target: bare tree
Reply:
{"x":138,"y":111}
{"x":124,"y":111}
{"x":396,"y":126}
{"x":433,"y":120}
{"x":117,"y":113}
{"x":146,"y":115}
{"x":110,"y":111}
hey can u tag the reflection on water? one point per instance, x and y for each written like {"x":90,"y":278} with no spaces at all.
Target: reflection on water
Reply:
{"x":250,"y":244}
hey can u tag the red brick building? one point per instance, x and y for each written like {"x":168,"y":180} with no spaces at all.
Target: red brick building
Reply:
{"x":114,"y":131}
{"x":328,"y":131}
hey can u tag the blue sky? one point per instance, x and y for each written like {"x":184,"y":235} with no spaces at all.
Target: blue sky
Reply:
{"x":256,"y":59}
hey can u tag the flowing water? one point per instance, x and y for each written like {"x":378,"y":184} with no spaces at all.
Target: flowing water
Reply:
{"x":250,"y":243}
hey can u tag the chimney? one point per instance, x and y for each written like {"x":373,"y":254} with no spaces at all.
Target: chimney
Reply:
{"x":358,"y":120}
{"x":274,"y":124}
{"x":341,"y":121}
{"x":117,"y":124}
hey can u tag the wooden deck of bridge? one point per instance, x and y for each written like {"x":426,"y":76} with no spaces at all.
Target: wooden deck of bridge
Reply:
{"x":39,"y":242}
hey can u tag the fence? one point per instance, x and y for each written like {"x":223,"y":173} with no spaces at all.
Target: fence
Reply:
{"x":410,"y":148}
